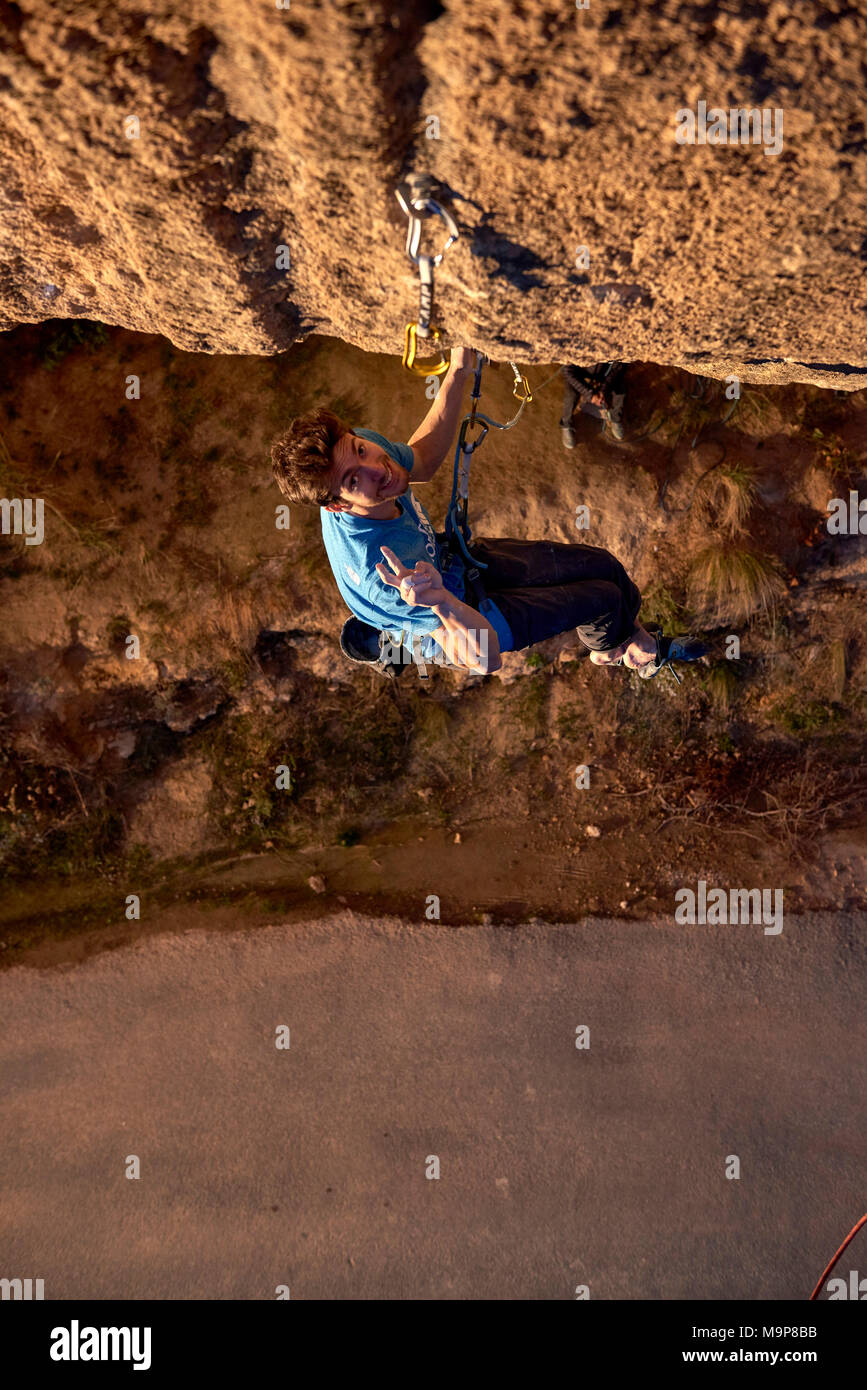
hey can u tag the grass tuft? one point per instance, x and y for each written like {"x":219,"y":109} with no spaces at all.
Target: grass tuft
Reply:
{"x":727,"y":497}
{"x":659,"y":606}
{"x":803,"y":718}
{"x":722,"y":684}
{"x":729,"y":584}
{"x":832,"y":454}
{"x":70,"y":335}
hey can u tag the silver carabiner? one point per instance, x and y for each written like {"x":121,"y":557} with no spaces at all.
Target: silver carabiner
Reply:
{"x":415,"y":201}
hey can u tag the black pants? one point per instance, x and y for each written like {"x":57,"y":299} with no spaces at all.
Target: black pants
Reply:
{"x":571,"y":398}
{"x":587,"y":383}
{"x":543,"y":588}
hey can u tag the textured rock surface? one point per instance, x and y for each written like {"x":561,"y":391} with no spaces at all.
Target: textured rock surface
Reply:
{"x":262,"y":127}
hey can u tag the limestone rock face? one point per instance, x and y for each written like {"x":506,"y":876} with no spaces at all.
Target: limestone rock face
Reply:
{"x":154,"y":158}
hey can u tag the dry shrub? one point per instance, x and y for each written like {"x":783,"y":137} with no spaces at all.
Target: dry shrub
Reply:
{"x":729,"y":584}
{"x":227,"y":635}
{"x":236,"y":622}
{"x":727,"y":496}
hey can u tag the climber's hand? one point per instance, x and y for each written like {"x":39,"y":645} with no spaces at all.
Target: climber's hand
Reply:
{"x":463,"y":360}
{"x":420,"y":586}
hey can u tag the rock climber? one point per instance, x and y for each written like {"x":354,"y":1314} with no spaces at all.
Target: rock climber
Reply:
{"x":596,"y":392}
{"x":396,"y":574}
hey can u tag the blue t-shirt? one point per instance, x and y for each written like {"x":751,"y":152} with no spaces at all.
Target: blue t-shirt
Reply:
{"x":353,"y":546}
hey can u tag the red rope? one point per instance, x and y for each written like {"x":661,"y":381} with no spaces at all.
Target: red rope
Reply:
{"x":827,"y":1270}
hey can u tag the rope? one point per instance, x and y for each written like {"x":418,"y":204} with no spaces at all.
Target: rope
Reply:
{"x":827,"y":1270}
{"x":545,"y":382}
{"x":458,"y":535}
{"x":457,"y":523}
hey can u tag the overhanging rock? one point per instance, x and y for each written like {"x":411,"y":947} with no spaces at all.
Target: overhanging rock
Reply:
{"x":153,"y":163}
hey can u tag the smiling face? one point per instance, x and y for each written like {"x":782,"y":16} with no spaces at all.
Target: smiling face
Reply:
{"x":365,"y":479}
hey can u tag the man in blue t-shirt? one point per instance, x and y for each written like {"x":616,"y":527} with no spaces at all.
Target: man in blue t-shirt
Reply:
{"x":397,"y":575}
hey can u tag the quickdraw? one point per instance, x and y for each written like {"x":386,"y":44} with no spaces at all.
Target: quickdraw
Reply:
{"x":414,"y":196}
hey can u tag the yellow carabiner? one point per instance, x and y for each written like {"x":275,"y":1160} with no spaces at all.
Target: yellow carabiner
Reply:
{"x":524,"y":394}
{"x":410,"y":348}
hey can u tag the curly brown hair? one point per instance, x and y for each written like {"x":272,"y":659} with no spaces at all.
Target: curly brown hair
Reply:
{"x":302,"y":457}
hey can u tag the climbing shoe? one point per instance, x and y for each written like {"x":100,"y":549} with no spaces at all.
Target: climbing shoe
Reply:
{"x":567,"y":434}
{"x":669,"y":650}
{"x":360,"y":642}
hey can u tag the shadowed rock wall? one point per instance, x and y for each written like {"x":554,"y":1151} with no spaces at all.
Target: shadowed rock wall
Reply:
{"x":261,"y":127}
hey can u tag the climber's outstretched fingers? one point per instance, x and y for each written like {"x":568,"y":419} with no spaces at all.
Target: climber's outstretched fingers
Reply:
{"x":415,"y":586}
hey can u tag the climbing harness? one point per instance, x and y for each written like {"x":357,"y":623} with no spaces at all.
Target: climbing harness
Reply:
{"x":602,"y":379}
{"x":414,"y":196}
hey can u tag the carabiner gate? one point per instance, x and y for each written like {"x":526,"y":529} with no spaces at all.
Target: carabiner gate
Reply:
{"x":430,"y":368}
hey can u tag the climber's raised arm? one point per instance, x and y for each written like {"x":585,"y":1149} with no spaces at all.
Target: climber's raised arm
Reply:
{"x":433,"y":438}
